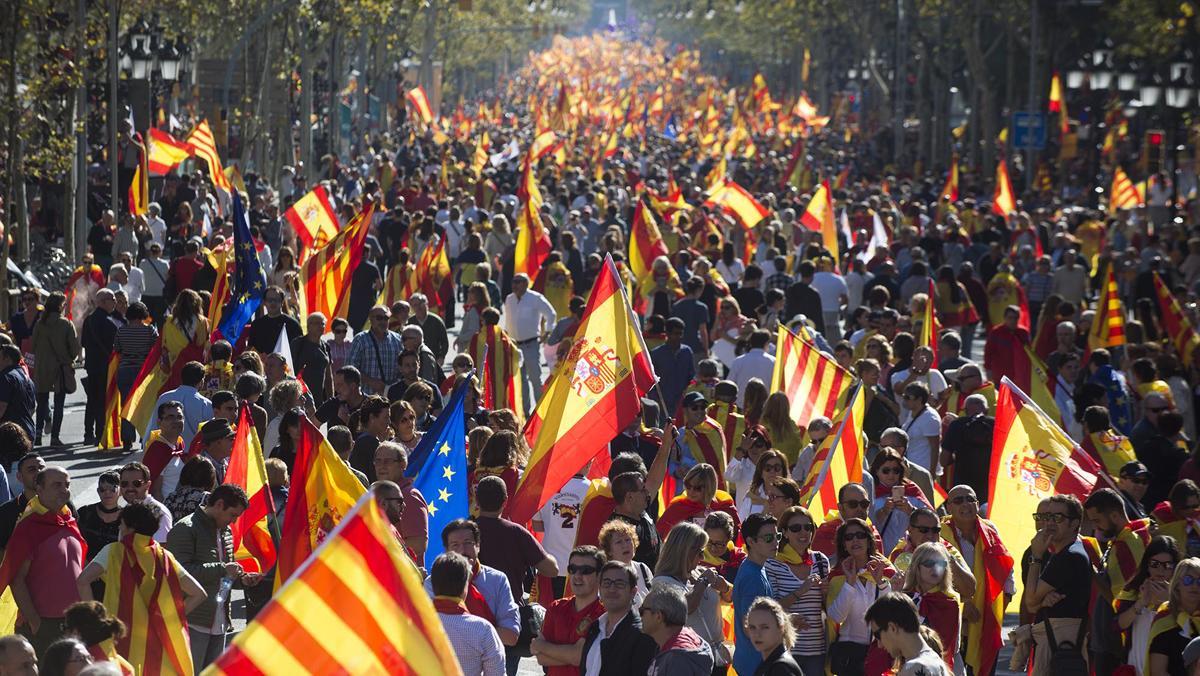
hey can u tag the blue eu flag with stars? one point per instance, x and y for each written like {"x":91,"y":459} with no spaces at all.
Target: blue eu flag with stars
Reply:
{"x":1120,"y":409}
{"x":248,"y":284}
{"x":439,"y":466}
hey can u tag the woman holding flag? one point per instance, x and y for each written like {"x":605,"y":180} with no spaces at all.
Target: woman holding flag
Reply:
{"x":184,"y":337}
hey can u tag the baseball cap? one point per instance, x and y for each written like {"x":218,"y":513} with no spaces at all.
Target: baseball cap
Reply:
{"x":693,"y":398}
{"x":1134,"y":468}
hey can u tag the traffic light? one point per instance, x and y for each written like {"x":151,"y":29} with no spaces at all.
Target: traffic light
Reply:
{"x":1154,"y":150}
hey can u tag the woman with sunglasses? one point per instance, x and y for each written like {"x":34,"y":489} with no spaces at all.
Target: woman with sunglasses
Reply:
{"x":771,"y":465}
{"x":404,"y":424}
{"x":702,"y":586}
{"x":895,"y":497}
{"x":861,"y":576}
{"x":1137,"y":604}
{"x":100,"y":522}
{"x":741,"y":470}
{"x":700,"y":497}
{"x":797,"y":575}
{"x":929,"y":583}
{"x":1177,"y":516}
{"x":782,"y":494}
{"x":1177,"y":622}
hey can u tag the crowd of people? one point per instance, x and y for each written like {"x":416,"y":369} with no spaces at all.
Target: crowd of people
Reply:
{"x":617,"y":574}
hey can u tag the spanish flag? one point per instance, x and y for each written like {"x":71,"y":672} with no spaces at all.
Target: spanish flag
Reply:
{"x":595,"y":392}
{"x":533,"y":242}
{"x":795,"y":167}
{"x":950,"y":190}
{"x":543,"y":144}
{"x":252,"y":542}
{"x":929,"y":324}
{"x":838,"y":461}
{"x":1108,"y":327}
{"x":991,"y":566}
{"x":149,"y":384}
{"x":735,"y":201}
{"x":142,"y":588}
{"x":815,"y":384}
{"x":313,"y":219}
{"x":420,"y":104}
{"x":645,"y":243}
{"x":356,"y":606}
{"x":818,"y":217}
{"x":112,"y":407}
{"x":164,"y":153}
{"x":1176,"y":323}
{"x":323,"y":492}
{"x":1058,"y":104}
{"x":1124,"y":194}
{"x":1003,"y":203}
{"x":139,"y":189}
{"x":433,"y":275}
{"x":480,"y":159}
{"x":325,"y":276}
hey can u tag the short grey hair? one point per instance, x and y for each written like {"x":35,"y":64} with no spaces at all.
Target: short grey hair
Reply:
{"x":413,"y":329}
{"x":978,"y":400}
{"x":669,"y":601}
{"x":898,"y":432}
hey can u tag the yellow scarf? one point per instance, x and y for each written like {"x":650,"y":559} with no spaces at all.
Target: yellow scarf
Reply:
{"x":789,"y":556}
{"x":708,"y":559}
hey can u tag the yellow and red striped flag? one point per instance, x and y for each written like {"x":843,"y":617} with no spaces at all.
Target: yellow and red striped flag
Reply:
{"x":205,"y":145}
{"x":480,"y":159}
{"x":595,"y":393}
{"x":645,"y":243}
{"x":139,"y":190}
{"x":735,"y":201}
{"x":533,"y":242}
{"x":420,"y":103}
{"x":929,"y":325}
{"x":1003,"y":202}
{"x":356,"y":606}
{"x":500,"y":372}
{"x":219,"y":259}
{"x":819,"y":218}
{"x":149,"y":383}
{"x":1108,"y":327}
{"x":313,"y":219}
{"x":815,"y":384}
{"x":142,"y":588}
{"x":252,"y":543}
{"x":838,"y":461}
{"x":1124,"y":193}
{"x":164,"y":152}
{"x":399,"y":284}
{"x":112,"y":407}
{"x":1176,"y":323}
{"x":951,"y":188}
{"x":325,"y":276}
{"x":323,"y":492}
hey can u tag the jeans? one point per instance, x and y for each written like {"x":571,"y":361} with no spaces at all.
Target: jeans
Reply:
{"x":531,"y":373}
{"x":206,"y":648}
{"x":43,"y":410}
{"x":968,"y":337}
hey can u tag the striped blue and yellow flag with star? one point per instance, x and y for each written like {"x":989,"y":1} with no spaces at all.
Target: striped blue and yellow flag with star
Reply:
{"x":438,"y":466}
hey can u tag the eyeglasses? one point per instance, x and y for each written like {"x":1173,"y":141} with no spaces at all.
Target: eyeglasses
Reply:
{"x":890,"y":470}
{"x":614,"y":584}
{"x":136,"y":483}
{"x":582,"y":570}
{"x":857,"y":504}
{"x":939,"y":563}
{"x":775,"y":496}
{"x":1050,"y":518}
{"x":1157,"y":409}
{"x":960,"y":499}
{"x":1161,"y":565}
{"x":801,"y":527}
{"x":927,"y":530}
{"x":1189,"y":580}
{"x":856,"y":535}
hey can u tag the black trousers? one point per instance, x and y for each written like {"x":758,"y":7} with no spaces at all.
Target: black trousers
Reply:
{"x":96,"y":390}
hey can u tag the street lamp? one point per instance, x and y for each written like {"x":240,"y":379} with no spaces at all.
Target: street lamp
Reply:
{"x":142,"y":61}
{"x":1078,"y":74}
{"x":169,"y":59}
{"x":1151,"y":90}
{"x":1127,"y":78}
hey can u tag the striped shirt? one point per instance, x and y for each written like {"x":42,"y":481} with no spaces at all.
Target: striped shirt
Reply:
{"x":810,"y":641}
{"x":134,"y":341}
{"x":476,"y":644}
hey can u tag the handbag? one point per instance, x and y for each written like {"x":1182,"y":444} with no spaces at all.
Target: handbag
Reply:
{"x":531,"y":617}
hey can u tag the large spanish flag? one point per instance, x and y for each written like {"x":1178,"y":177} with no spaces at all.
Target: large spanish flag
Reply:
{"x":815,"y":384}
{"x":734,"y":200}
{"x":323,"y":492}
{"x":252,"y":542}
{"x":149,"y":384}
{"x":594,"y":394}
{"x":142,"y":588}
{"x":313,"y":219}
{"x":645,"y":242}
{"x":533,"y":242}
{"x":819,"y":217}
{"x":1003,"y":202}
{"x":325,"y":276}
{"x":838,"y":461}
{"x":1175,"y":322}
{"x":420,"y":103}
{"x":356,"y":606}
{"x":164,"y":152}
{"x":112,"y":406}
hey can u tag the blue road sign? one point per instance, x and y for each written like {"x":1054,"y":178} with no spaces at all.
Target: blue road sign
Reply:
{"x":1029,"y":130}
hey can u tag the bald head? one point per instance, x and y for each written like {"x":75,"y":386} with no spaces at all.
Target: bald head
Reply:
{"x":16,"y":655}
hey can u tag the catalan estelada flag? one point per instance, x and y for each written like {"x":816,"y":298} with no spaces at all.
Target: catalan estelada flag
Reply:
{"x":819,"y":217}
{"x":734,"y":200}
{"x":1124,"y":193}
{"x":595,"y":393}
{"x":325,"y":275}
{"x":499,"y":362}
{"x":838,"y":461}
{"x":1176,"y":323}
{"x":1003,"y":202}
{"x":533,"y":242}
{"x":420,"y":104}
{"x":252,"y":543}
{"x":323,"y":492}
{"x":164,"y":152}
{"x":356,"y":606}
{"x":815,"y":384}
{"x":313,"y":219}
{"x":112,"y":407}
{"x":142,"y":588}
{"x":1108,"y":327}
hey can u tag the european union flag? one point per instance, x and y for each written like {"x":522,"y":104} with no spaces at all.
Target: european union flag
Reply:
{"x":249,"y":285}
{"x":671,"y":131}
{"x":439,"y":466}
{"x":1120,"y":409}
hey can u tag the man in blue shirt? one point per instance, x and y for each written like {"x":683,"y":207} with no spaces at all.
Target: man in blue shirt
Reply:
{"x":674,"y":364}
{"x":694,"y":314}
{"x":751,"y":582}
{"x":17,"y":398}
{"x":196,"y":407}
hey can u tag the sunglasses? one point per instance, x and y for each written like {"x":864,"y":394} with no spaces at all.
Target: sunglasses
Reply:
{"x":961,"y":499}
{"x":1161,"y":565}
{"x":856,"y":535}
{"x":136,"y":483}
{"x":934,"y":564}
{"x":768,"y":537}
{"x":801,"y":527}
{"x":582,"y":570}
{"x":1189,"y":580}
{"x":1049,"y":518}
{"x":890,"y":470}
{"x":927,"y":530}
{"x":857,"y":504}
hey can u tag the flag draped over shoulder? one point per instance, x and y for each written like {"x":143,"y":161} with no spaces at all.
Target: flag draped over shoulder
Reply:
{"x":814,"y":383}
{"x":313,"y":219}
{"x":1032,"y":458}
{"x":325,"y":275}
{"x":142,"y":588}
{"x":818,"y":217}
{"x":1003,"y":202}
{"x":112,"y":406}
{"x":438,"y":466}
{"x":323,"y":491}
{"x":1108,"y":327}
{"x":252,"y":542}
{"x":991,"y":565}
{"x":164,"y":152}
{"x":595,"y":393}
{"x":500,"y":362}
{"x":837,"y":462}
{"x":356,"y":606}
{"x":1176,"y":323}
{"x":146,"y":387}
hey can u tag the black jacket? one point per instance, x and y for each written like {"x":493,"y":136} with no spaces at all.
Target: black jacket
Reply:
{"x":97,"y":338}
{"x":801,"y":298}
{"x":626,"y":651}
{"x":780,"y":663}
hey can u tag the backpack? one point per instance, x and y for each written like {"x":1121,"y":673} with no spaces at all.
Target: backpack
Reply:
{"x":1066,"y":659}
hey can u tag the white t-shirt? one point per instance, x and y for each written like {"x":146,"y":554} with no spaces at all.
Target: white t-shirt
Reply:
{"x":926,"y":424}
{"x":560,"y":517}
{"x":831,"y":287}
{"x":170,"y":474}
{"x":926,"y":663}
{"x":934,"y":380}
